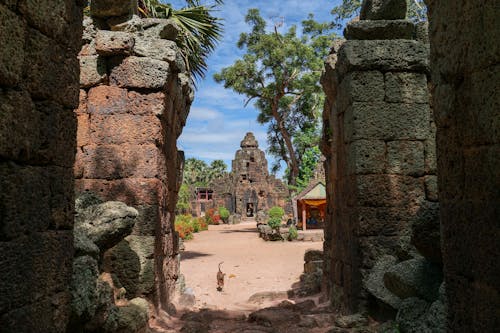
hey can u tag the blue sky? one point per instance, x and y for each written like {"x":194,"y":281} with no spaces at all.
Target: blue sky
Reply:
{"x":218,"y":119}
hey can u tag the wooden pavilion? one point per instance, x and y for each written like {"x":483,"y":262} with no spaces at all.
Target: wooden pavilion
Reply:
{"x":310,"y":206}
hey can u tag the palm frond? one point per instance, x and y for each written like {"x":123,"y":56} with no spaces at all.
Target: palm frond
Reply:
{"x":200,"y":30}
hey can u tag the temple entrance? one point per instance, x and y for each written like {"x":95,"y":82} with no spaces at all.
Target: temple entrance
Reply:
{"x":250,"y":210}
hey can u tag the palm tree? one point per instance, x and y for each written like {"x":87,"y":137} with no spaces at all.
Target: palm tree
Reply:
{"x":200,"y":29}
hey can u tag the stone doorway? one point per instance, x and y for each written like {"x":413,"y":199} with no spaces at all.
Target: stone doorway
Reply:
{"x":250,"y":209}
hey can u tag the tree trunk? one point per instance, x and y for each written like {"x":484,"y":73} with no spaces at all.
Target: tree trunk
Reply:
{"x":294,"y":164}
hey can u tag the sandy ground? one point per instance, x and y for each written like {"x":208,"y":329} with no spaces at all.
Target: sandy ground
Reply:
{"x":251,"y":265}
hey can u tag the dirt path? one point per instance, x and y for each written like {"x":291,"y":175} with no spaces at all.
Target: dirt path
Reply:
{"x":251,"y":265}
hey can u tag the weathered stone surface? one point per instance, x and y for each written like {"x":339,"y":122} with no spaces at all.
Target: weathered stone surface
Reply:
{"x":362,"y":87}
{"x":84,"y":287}
{"x":13,"y":37}
{"x":414,"y":278}
{"x":380,"y":29}
{"x":410,"y":315}
{"x":92,"y":71}
{"x":131,"y":191}
{"x":313,"y":255}
{"x":106,"y":224}
{"x":426,"y":234}
{"x":389,"y":190}
{"x":144,"y":247}
{"x":422,"y":32}
{"x":112,"y":8}
{"x":34,"y":199}
{"x":374,"y":282}
{"x":405,"y":158}
{"x":383,"y":55}
{"x":84,"y":246}
{"x":120,"y":161}
{"x":366,"y":156}
{"x":48,"y":68}
{"x":124,"y":128}
{"x":36,"y":273}
{"x":132,"y":318}
{"x":125,"y":23}
{"x":155,"y":48}
{"x":355,"y":320}
{"x":383,"y":10}
{"x":110,"y":43}
{"x":406,"y":88}
{"x":160,"y":28}
{"x":313,"y":266}
{"x":389,"y":121}
{"x":144,"y":73}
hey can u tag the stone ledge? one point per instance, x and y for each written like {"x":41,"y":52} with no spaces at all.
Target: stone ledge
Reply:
{"x":385,"y":55}
{"x":380,"y":29}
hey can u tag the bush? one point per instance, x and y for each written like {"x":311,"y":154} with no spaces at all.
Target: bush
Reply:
{"x":292,"y":233}
{"x":224,"y":214}
{"x":186,"y":225}
{"x":274,"y":223}
{"x":212,"y":216}
{"x":276,"y":212}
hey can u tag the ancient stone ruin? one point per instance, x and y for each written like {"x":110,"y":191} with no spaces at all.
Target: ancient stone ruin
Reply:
{"x":381,"y":175}
{"x":249,"y":190}
{"x":135,"y":95}
{"x":380,"y":172}
{"x":38,"y":92}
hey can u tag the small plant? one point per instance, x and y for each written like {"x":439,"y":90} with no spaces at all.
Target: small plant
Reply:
{"x":224,"y":214}
{"x":292,"y":233}
{"x":212,"y":216}
{"x":274,"y":223}
{"x":276,"y":212}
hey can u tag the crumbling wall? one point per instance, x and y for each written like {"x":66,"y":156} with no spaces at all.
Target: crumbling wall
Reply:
{"x":465,"y":71}
{"x":134,"y":99}
{"x":379,"y":144}
{"x":38,"y":92}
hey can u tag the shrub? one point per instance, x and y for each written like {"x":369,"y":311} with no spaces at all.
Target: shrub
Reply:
{"x":293,"y":233}
{"x":212,"y":216}
{"x":276,"y":212}
{"x":203,"y":224}
{"x":274,"y":223}
{"x":186,"y":225}
{"x":224,"y":214}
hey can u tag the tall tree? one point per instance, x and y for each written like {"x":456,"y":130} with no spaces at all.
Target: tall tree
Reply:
{"x":199,"y":173}
{"x":281,"y":73}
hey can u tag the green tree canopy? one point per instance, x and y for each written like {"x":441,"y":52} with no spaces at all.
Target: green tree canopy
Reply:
{"x":281,"y":72}
{"x":199,"y":173}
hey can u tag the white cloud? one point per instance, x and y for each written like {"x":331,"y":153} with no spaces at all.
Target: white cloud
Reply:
{"x":201,"y":113}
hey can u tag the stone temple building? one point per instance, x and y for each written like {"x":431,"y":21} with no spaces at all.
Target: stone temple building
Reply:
{"x":249,"y":188}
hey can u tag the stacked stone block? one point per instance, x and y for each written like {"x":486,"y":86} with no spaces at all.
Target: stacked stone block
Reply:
{"x":464,"y":59}
{"x":134,"y":99}
{"x":38,"y":91}
{"x":379,"y":135}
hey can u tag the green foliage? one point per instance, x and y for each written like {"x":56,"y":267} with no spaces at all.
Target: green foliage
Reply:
{"x":224,"y":213}
{"x":276,"y":212}
{"x":182,"y":206}
{"x":280,"y":72}
{"x":293,"y":233}
{"x":274,"y":223}
{"x":308,"y":165}
{"x":186,"y":225}
{"x":197,"y":173}
{"x":201,"y":31}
